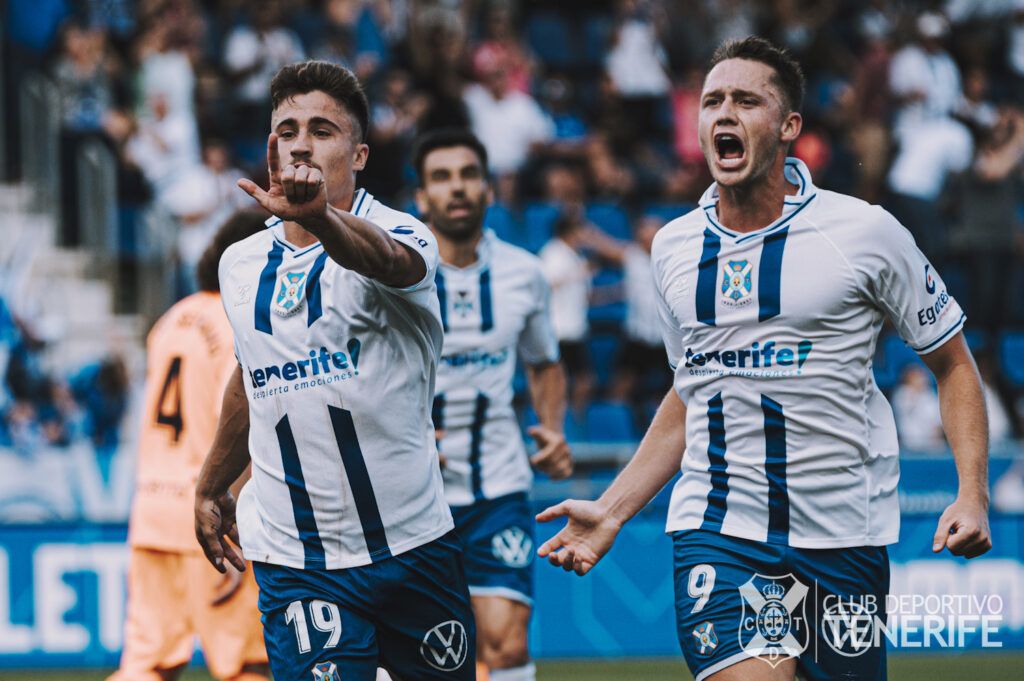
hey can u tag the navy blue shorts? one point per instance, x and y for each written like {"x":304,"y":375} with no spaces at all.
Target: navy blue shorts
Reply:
{"x":737,"y":598}
{"x":498,"y":539}
{"x":410,"y":614}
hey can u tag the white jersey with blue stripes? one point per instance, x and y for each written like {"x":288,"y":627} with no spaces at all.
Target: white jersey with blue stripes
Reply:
{"x":339,"y":372}
{"x":771,"y":335}
{"x":492,"y":311}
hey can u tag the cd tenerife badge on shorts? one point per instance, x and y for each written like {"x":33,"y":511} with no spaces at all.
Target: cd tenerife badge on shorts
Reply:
{"x":290,"y":293}
{"x":774,"y":625}
{"x":326,"y":671}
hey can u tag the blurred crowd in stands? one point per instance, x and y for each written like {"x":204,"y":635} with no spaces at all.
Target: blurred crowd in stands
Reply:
{"x":588,"y":109}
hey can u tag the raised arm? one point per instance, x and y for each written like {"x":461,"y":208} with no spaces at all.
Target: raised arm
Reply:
{"x":593,"y":525}
{"x":963,"y":527}
{"x":298,"y":193}
{"x":227,"y":460}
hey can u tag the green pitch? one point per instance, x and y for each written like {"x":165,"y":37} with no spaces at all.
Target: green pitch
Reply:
{"x":983,"y":667}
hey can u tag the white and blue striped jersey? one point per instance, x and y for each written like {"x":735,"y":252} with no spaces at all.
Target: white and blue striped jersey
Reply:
{"x":339,"y":371}
{"x":492,"y":310}
{"x":771,"y":335}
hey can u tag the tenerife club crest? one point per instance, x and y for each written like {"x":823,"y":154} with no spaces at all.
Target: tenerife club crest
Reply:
{"x":291,"y":292}
{"x":707,"y":639}
{"x":325,"y":671}
{"x":774,"y":623}
{"x":737,"y":282}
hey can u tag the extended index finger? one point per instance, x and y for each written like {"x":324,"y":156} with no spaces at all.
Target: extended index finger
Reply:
{"x":273,"y":159}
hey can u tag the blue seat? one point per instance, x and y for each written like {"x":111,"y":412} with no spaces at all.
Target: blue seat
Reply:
{"x":611,"y":219}
{"x":1011,"y":357}
{"x":604,"y":349}
{"x":504,"y":222}
{"x":609,"y":422}
{"x":539,"y":224}
{"x":891,"y":357}
{"x":613,"y":313}
{"x":550,"y":38}
{"x":668,"y":211}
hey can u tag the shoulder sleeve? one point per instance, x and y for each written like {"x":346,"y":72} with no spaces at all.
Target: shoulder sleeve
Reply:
{"x":412,"y":233}
{"x":670,"y":330}
{"x":537,"y":343}
{"x":224,"y":278}
{"x":904,"y":284}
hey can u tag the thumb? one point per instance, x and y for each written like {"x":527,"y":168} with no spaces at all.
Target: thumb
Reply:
{"x":942,"y":532}
{"x":538,"y":433}
{"x":556,"y":511}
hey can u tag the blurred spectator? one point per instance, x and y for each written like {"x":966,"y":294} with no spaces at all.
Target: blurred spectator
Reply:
{"x":437,"y":45}
{"x":915,"y":405}
{"x":570,"y":130}
{"x":340,"y":42}
{"x":166,"y":147}
{"x":253,"y":53}
{"x":988,"y":222}
{"x":395,"y":117}
{"x":685,"y":110}
{"x":102,"y":389}
{"x":1015,"y":50}
{"x":165,"y":65}
{"x":642,"y":375}
{"x":568,"y":273}
{"x":510,"y":123}
{"x":637,"y":64}
{"x":503,"y":43}
{"x":867,"y":106}
{"x":926,"y":84}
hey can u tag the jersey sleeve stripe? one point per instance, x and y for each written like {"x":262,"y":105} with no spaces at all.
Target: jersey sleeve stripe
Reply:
{"x":315,"y":310}
{"x":770,"y":279}
{"x":714,"y":514}
{"x":476,"y":445}
{"x":775,"y":469}
{"x":486,"y":302}
{"x":265,"y":292}
{"x":707,"y":278}
{"x":442,"y":298}
{"x":302,"y":507}
{"x":359,"y":484}
{"x":938,"y":341}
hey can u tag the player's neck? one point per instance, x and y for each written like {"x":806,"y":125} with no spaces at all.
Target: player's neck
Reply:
{"x":750,"y":207}
{"x":458,"y":253}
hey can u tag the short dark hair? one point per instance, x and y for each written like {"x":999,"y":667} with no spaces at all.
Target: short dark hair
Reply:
{"x":789,"y":77}
{"x":241,"y":225}
{"x":444,"y":138}
{"x":336,"y":81}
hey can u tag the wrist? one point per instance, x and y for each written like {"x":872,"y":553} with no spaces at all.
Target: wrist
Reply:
{"x":974,"y":495}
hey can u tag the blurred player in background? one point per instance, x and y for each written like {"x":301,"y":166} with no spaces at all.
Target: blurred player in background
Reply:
{"x":772,"y":294}
{"x":337,"y":335}
{"x":174,"y":594}
{"x":494,"y":306}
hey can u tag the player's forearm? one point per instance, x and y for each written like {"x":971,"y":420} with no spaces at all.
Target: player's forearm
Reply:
{"x":655,"y":462}
{"x":361,"y":246}
{"x":965,"y":422}
{"x":229,"y":454}
{"x":547,"y":391}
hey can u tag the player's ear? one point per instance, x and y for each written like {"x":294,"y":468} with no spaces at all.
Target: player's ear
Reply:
{"x":360,"y":156}
{"x":792,"y":123}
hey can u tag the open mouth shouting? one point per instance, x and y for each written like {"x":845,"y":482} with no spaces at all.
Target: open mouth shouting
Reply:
{"x":729,"y":151}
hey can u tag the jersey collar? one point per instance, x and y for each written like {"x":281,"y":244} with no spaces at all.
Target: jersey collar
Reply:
{"x":484,"y":249}
{"x":362,"y":202}
{"x":796,"y":172}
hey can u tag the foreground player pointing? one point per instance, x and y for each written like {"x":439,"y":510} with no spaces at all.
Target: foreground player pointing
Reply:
{"x":337,"y":334}
{"x":494,"y":307}
{"x":772,"y":294}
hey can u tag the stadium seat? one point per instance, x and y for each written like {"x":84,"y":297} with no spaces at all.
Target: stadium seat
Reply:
{"x":504,"y":223}
{"x":611,"y":313}
{"x":668,"y":211}
{"x":611,"y":219}
{"x":538,"y":224}
{"x":609,"y":422}
{"x":597,"y":35}
{"x":604,"y":349}
{"x":891,"y":357}
{"x":550,"y":38}
{"x":1011,"y":357}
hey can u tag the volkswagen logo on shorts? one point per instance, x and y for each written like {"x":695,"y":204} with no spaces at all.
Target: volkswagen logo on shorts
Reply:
{"x":445,"y":647}
{"x":513,"y":547}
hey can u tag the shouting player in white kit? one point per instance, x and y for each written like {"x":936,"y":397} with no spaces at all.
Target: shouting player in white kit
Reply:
{"x":772,"y":295}
{"x":494,"y":307}
{"x":337,"y":334}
